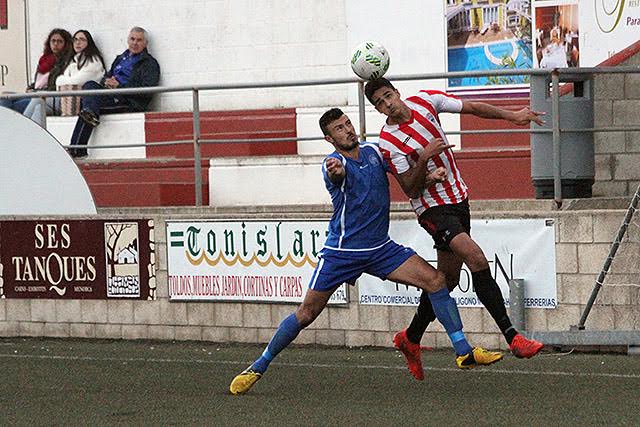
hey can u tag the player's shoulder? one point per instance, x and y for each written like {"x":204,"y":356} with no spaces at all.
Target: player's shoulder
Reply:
{"x":371,"y":146}
{"x":427,"y":93}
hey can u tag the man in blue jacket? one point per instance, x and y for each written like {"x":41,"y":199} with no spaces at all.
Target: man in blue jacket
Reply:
{"x":135,"y":67}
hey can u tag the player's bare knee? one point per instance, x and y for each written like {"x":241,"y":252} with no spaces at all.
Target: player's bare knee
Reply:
{"x":435,"y":282}
{"x":306,"y":315}
{"x":477,"y":261}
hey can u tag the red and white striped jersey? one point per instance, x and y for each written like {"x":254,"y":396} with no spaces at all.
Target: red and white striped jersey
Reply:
{"x":402,"y":144}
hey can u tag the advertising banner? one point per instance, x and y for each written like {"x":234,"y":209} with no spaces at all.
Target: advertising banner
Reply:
{"x":77,"y":259}
{"x":515,"y":249}
{"x":488,"y":35}
{"x":608,"y":26}
{"x":557,"y":34}
{"x":244,"y":260}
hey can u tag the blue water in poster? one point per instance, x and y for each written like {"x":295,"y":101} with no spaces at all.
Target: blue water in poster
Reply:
{"x":493,"y":56}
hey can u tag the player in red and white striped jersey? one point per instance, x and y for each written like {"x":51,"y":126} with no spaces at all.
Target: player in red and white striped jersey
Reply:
{"x":402,"y":143}
{"x":414,"y":144}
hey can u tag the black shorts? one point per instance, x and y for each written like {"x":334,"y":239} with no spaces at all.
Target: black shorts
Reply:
{"x":445,"y":222}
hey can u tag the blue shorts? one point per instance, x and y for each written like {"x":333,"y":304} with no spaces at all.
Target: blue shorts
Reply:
{"x":337,"y":267}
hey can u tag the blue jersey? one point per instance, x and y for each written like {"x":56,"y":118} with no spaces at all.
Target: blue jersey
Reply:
{"x":360,"y":218}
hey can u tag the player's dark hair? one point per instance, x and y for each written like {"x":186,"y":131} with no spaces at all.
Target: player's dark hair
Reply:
{"x":328,"y":117}
{"x":374,"y":85}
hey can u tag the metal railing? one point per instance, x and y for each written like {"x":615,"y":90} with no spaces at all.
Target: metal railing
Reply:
{"x":197,"y":140}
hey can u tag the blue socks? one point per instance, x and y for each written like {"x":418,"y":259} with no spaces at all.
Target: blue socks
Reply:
{"x":287,"y":331}
{"x":443,"y":305}
{"x":447,"y":313}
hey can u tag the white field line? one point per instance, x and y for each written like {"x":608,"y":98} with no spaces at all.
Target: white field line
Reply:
{"x":487,"y":370}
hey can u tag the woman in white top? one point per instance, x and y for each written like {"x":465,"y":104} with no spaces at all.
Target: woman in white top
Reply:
{"x":87,"y":64}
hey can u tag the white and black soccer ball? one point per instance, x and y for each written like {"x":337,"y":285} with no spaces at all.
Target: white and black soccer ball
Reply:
{"x":370,"y":60}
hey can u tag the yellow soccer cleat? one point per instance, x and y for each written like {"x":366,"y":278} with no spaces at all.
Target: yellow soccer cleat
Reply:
{"x":243,"y":382}
{"x":479,"y":356}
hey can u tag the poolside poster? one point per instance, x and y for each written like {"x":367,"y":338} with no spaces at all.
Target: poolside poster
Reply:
{"x":556,"y":34}
{"x":488,"y":35}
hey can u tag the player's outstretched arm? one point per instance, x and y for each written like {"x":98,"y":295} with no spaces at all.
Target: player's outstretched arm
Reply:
{"x":487,"y":111}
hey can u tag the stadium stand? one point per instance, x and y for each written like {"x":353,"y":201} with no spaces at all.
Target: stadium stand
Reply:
{"x":164,"y":175}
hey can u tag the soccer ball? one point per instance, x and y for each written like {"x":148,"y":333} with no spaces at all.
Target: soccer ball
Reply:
{"x":370,"y":60}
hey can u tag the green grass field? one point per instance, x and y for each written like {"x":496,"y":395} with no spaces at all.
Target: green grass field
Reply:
{"x":78,"y":382}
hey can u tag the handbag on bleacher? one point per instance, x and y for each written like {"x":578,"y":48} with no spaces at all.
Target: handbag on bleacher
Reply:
{"x":69,"y":105}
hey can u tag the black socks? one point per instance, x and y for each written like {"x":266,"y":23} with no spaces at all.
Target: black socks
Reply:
{"x":424,"y":315}
{"x":489,"y":294}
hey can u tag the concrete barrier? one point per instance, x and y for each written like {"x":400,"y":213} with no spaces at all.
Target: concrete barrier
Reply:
{"x":273,"y":180}
{"x":583,"y":236}
{"x":114,"y":129}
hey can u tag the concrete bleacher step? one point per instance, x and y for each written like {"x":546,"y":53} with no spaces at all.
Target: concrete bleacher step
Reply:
{"x":503,"y":173}
{"x":166,"y":176}
{"x":114,"y":129}
{"x":138,"y":183}
{"x":239,"y":124}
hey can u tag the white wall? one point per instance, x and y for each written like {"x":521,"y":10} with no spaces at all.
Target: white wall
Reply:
{"x":412,"y":31}
{"x":13,"y":70}
{"x":217,"y":41}
{"x":227,"y":41}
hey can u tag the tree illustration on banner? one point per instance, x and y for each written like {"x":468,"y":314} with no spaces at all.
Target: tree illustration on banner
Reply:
{"x":114,"y":247}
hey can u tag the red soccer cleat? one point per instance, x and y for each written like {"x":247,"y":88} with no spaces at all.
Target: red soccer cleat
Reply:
{"x":411,"y":354}
{"x":524,"y":348}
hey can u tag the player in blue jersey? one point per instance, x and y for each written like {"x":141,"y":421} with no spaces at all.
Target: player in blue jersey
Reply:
{"x":358,"y":242}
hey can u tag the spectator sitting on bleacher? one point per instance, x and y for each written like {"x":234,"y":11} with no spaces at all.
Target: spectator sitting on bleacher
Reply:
{"x":56,"y":54}
{"x":87,"y":64}
{"x":135,"y":67}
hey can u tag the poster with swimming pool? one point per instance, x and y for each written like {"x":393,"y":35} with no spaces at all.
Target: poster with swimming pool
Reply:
{"x":488,"y":35}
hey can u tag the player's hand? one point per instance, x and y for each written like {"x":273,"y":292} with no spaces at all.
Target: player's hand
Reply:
{"x":526,"y":116}
{"x":335,"y":169}
{"x":438,"y":175}
{"x":434,"y":148}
